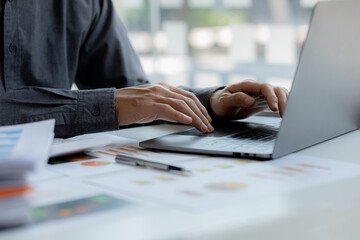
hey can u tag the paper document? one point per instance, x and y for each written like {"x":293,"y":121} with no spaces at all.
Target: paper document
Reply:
{"x":23,"y":148}
{"x":219,"y":181}
{"x":102,"y":160}
{"x":62,"y":147}
{"x":133,"y":150}
{"x":91,"y":163}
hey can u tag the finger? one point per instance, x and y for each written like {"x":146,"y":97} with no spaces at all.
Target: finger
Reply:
{"x":182,"y":107}
{"x":193,"y":97}
{"x":167,"y":113}
{"x":238,"y":100}
{"x":193,"y":107}
{"x":286,"y":92}
{"x":282,"y":98}
{"x":173,"y":92}
{"x":254,"y":88}
{"x":247,"y":86}
{"x":164,"y":95}
{"x":268,"y":92}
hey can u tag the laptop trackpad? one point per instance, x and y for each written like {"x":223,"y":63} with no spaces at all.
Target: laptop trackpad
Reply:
{"x":220,"y":131}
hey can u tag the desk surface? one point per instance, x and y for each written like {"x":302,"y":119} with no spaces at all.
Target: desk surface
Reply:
{"x":328,"y":211}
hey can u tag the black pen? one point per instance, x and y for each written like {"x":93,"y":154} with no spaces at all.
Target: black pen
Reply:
{"x":133,"y":161}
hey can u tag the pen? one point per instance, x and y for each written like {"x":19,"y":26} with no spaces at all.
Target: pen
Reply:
{"x":133,"y":161}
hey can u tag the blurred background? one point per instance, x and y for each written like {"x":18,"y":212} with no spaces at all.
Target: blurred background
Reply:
{"x":203,"y":43}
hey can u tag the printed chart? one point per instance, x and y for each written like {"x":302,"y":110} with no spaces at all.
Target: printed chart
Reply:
{"x":8,"y":141}
{"x":93,"y":167}
{"x":135,"y":151}
{"x":222,"y":180}
{"x":79,"y":207}
{"x":95,"y":163}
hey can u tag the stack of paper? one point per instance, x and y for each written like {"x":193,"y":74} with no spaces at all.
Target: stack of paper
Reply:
{"x":22,"y":149}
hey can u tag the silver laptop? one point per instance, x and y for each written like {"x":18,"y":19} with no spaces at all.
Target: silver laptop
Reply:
{"x":324,"y":101}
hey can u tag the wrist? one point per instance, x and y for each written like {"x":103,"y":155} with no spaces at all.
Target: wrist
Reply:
{"x":214,"y":98}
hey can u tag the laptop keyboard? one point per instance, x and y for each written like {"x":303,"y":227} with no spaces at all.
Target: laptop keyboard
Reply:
{"x":259,"y":135}
{"x":254,"y":140}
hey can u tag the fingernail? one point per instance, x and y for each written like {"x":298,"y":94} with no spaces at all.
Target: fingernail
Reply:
{"x":210,"y":128}
{"x":204,"y":128}
{"x":276,"y":105}
{"x":209,"y":118}
{"x":249,"y":101}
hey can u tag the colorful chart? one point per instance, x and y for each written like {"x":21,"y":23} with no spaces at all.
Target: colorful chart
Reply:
{"x":78,"y":207}
{"x":202,"y":170}
{"x":223,"y":166}
{"x":15,"y":133}
{"x":226,"y":186}
{"x":8,"y":141}
{"x":243,"y":161}
{"x":7,"y":192}
{"x":164,"y":178}
{"x":141,"y":182}
{"x":314,"y":166}
{"x":126,"y":150}
{"x":106,"y":153}
{"x":95,"y":163}
{"x":297,"y":170}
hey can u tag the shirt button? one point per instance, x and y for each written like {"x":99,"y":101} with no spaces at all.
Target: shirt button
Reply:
{"x":95,"y":111}
{"x":12,"y":48}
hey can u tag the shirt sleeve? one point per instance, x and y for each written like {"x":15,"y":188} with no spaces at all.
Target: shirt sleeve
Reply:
{"x":107,"y":58}
{"x":204,"y":94}
{"x":75,"y":112}
{"x":106,"y":61}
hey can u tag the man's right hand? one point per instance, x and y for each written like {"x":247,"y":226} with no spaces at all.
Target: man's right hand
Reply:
{"x":147,"y":103}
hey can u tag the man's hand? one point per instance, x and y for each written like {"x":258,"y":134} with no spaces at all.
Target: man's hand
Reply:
{"x":148,"y":103}
{"x":237,"y":100}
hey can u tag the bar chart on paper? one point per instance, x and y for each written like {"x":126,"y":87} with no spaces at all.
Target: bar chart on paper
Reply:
{"x":135,"y":151}
{"x":78,"y":207}
{"x":8,"y":141}
{"x":222,"y":180}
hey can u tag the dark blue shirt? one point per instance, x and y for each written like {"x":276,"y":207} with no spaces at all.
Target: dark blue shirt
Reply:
{"x":47,"y":45}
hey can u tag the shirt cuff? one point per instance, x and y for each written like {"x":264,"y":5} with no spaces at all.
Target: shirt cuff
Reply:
{"x":203,"y":94}
{"x":96,"y":110}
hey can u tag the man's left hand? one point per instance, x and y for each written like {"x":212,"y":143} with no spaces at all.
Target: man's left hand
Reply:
{"x":237,"y":101}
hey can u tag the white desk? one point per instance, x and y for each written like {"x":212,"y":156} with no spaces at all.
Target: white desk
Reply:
{"x":330,"y":211}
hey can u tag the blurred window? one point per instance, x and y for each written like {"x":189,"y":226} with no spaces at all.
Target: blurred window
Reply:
{"x":202,"y":43}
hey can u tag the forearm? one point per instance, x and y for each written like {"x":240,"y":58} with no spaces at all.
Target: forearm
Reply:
{"x":75,"y":112}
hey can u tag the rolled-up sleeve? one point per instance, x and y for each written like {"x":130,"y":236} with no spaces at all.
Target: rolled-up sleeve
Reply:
{"x":75,"y":112}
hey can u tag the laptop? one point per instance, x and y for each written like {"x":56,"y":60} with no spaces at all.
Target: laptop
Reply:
{"x":324,"y":101}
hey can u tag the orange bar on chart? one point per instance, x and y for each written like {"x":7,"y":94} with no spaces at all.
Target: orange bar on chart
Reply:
{"x":14,"y":191}
{"x":117,"y":151}
{"x":105,"y":153}
{"x":132,"y":151}
{"x":295,"y":170}
{"x":313,"y":166}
